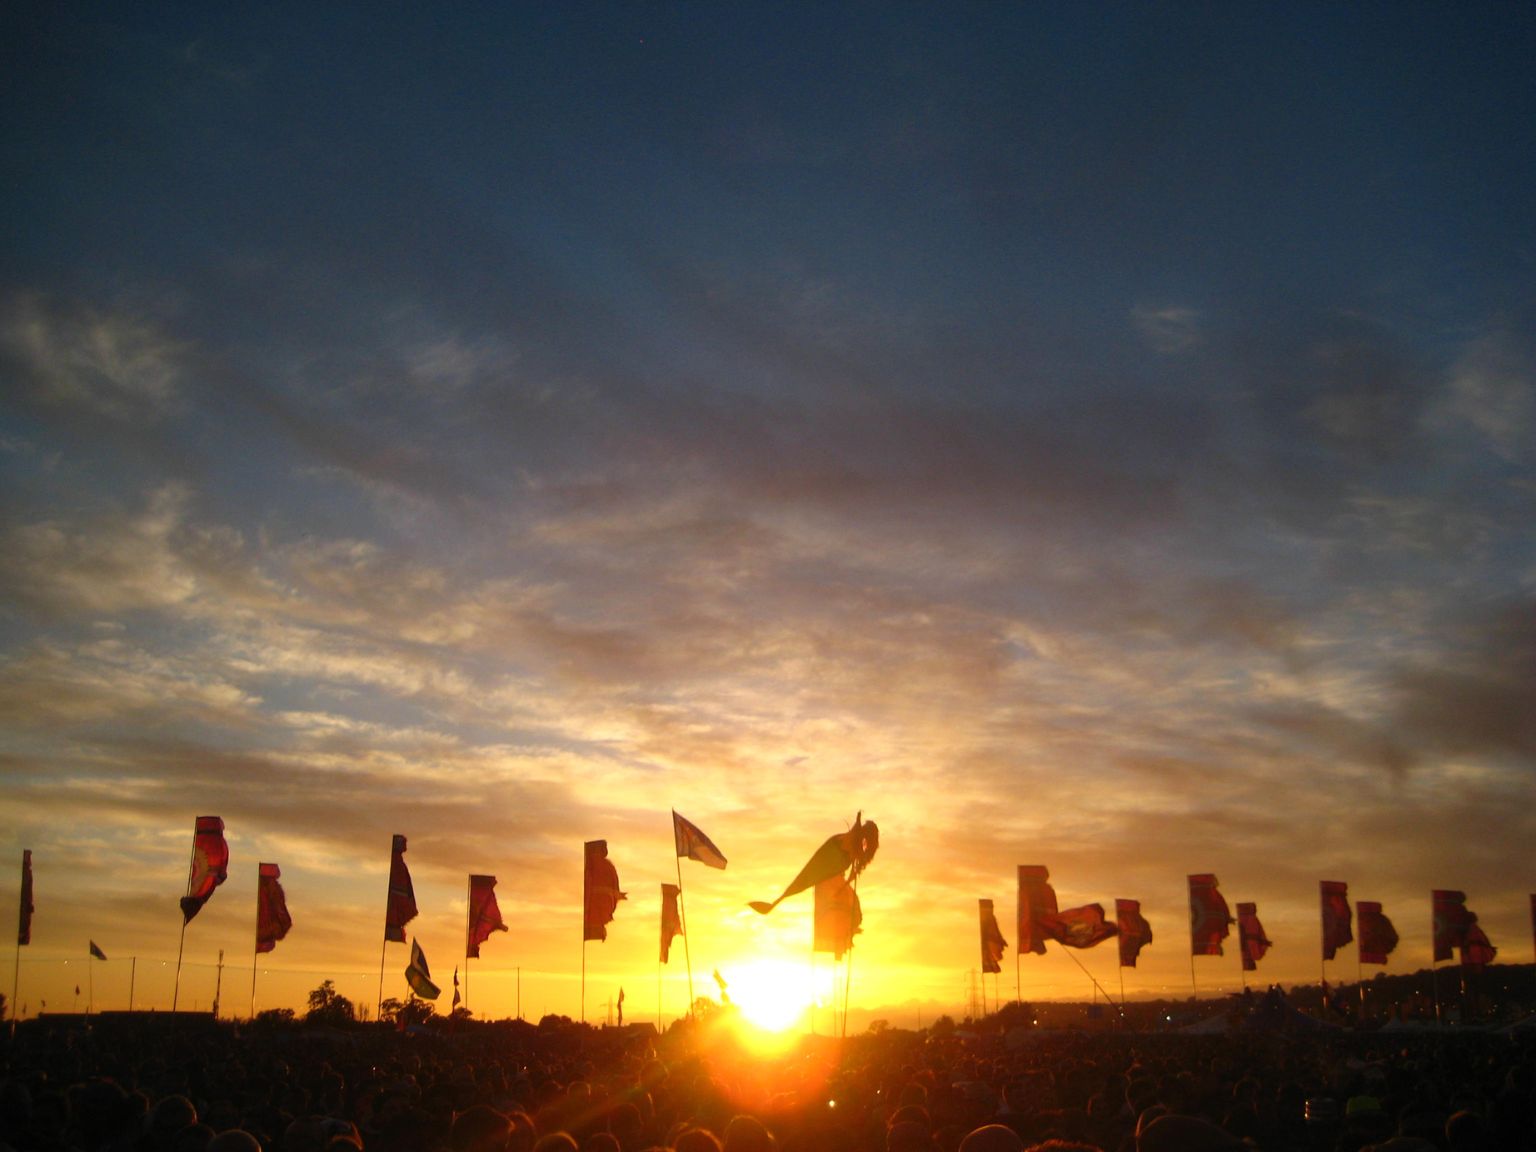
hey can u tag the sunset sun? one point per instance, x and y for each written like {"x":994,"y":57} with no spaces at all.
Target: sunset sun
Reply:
{"x":772,"y":995}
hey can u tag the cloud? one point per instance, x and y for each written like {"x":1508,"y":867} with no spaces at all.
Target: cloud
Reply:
{"x":1170,"y":329}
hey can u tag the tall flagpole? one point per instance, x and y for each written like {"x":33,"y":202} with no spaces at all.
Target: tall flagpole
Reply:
{"x":90,"y":986}
{"x":181,"y":947}
{"x":848,"y":965}
{"x":133,"y":977}
{"x":583,"y":969}
{"x":255,"y":963}
{"x":469,"y":905}
{"x":682,"y":913}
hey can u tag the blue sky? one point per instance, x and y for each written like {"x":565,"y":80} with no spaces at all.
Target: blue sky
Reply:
{"x":1099,"y":437}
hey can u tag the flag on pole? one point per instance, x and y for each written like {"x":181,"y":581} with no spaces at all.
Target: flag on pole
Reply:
{"x":1250,"y":936}
{"x":1080,"y":927}
{"x":992,"y":942}
{"x":725,"y":996}
{"x":1451,"y":920}
{"x":1037,"y":902}
{"x":400,"y":908}
{"x":671,"y":919}
{"x":272,"y":919}
{"x":24,"y":924}
{"x":1334,"y":895}
{"x":1135,"y":932}
{"x":1533,"y":918}
{"x":97,"y":952}
{"x":484,"y":914}
{"x":837,"y":917}
{"x":418,"y":976}
{"x":1377,"y":935}
{"x":600,"y":891}
{"x":455,"y":985}
{"x":848,"y":852}
{"x":1209,"y":917}
{"x":210,"y":865}
{"x":1476,"y":950}
{"x":693,"y":844}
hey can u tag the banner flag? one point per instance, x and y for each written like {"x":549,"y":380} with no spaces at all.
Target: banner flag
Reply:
{"x":671,"y":919}
{"x":1209,"y":918}
{"x":1037,"y":900}
{"x":1334,"y":895}
{"x":992,"y":942}
{"x":1377,"y":935}
{"x":272,"y":919}
{"x":24,"y":924}
{"x":1448,"y":909}
{"x":600,"y":891}
{"x":418,"y":976}
{"x":1250,"y":936}
{"x":96,"y":951}
{"x":1135,"y":932}
{"x":837,"y":917}
{"x":693,"y":844}
{"x":484,"y":914}
{"x":210,"y":865}
{"x":400,"y":908}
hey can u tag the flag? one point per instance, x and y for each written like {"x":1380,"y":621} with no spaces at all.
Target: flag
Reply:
{"x":484,"y":914}
{"x":1451,"y":921}
{"x":1251,"y":940}
{"x":1037,"y":900}
{"x":992,"y":942}
{"x":1336,"y":916}
{"x":600,"y":891}
{"x":849,"y":852}
{"x":1377,"y":935}
{"x":24,"y":927}
{"x":693,"y":844}
{"x":455,"y":985}
{"x":837,"y":918}
{"x":1079,"y":927}
{"x":1209,"y":918}
{"x":1135,"y":932}
{"x":400,"y":908}
{"x":725,"y":997}
{"x":272,"y":919}
{"x":1476,"y":950}
{"x":418,"y":976}
{"x":97,"y":952}
{"x":210,"y":865}
{"x":671,"y":919}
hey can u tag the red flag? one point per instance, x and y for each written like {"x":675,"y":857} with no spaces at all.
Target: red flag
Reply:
{"x":600,"y":891}
{"x":400,"y":908}
{"x":1209,"y":917}
{"x":691,"y":842}
{"x":24,"y":926}
{"x":1476,"y":950}
{"x":1079,"y":927}
{"x":210,"y":865}
{"x":1336,"y":916}
{"x":1250,"y":936}
{"x":838,"y":917}
{"x":484,"y":914}
{"x":1451,"y":921}
{"x":992,"y":942}
{"x":1377,"y":935}
{"x":1037,"y":900}
{"x":671,"y":919}
{"x":1135,"y":933}
{"x":272,"y":919}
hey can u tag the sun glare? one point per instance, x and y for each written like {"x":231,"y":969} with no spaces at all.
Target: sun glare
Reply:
{"x":771,"y":994}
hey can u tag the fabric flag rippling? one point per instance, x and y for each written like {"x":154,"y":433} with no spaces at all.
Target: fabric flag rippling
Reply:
{"x":272,"y":919}
{"x":1334,"y":896}
{"x":671,"y":919}
{"x":24,"y":921}
{"x":1209,"y":918}
{"x":1037,"y":901}
{"x":400,"y":909}
{"x":1250,"y":936}
{"x":1377,"y":935}
{"x":992,"y":942}
{"x":692,"y":844}
{"x":1135,"y":932}
{"x":419,"y":976}
{"x":96,"y":952}
{"x":210,"y":865}
{"x":484,"y":914}
{"x":849,"y":852}
{"x":600,"y":891}
{"x":837,"y":916}
{"x":1451,"y":920}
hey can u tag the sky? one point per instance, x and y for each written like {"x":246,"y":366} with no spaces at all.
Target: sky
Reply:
{"x":1099,"y":436}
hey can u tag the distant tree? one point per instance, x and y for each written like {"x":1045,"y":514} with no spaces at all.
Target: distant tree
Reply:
{"x":460,"y":1013}
{"x":328,"y":1006}
{"x":274,"y":1016}
{"x":943,"y":1026}
{"x":551,"y":1021}
{"x":879,"y":1027}
{"x":1015,"y":1014}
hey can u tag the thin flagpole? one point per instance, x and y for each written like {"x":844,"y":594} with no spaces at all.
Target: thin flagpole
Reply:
{"x":583,"y":970}
{"x":133,"y":976}
{"x":848,"y":967}
{"x":379,"y":1012}
{"x":468,"y":907}
{"x":181,"y":947}
{"x":16,"y":981}
{"x":90,"y":986}
{"x":255,"y":964}
{"x":1092,"y":979}
{"x":682,"y":912}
